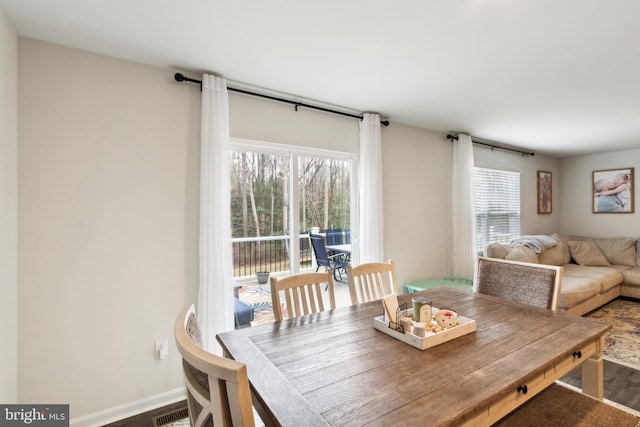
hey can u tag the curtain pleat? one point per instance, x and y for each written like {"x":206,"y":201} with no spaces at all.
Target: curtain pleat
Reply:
{"x":215,"y":290}
{"x":464,"y":216}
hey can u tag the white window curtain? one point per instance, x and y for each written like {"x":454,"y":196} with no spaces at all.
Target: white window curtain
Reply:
{"x":215,"y":291}
{"x":464,"y":217}
{"x":370,"y":212}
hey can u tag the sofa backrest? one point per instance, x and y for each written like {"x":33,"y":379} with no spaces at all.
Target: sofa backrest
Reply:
{"x":617,"y":250}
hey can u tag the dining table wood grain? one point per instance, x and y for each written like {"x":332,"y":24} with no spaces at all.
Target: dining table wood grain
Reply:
{"x":333,"y":368}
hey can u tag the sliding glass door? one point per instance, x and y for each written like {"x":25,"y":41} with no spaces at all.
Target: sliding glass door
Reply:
{"x":271,"y":213}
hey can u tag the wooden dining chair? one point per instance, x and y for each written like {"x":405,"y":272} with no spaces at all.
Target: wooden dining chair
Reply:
{"x":533,"y":284}
{"x":217,"y":388}
{"x":371,"y":281}
{"x":302,"y":294}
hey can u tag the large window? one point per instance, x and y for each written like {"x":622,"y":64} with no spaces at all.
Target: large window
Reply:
{"x":497,"y":194}
{"x":271,"y":213}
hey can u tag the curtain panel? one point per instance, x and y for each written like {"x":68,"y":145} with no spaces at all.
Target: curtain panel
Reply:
{"x":464,"y":216}
{"x":370,"y":212}
{"x":215,"y":290}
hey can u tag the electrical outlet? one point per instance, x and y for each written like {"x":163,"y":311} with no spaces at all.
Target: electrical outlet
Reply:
{"x":162,"y":348}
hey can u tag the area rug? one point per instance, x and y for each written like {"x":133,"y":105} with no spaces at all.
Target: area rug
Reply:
{"x":260,"y":300}
{"x":621,"y":353}
{"x":622,"y":342}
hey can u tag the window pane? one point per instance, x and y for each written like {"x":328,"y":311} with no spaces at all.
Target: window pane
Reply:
{"x":325,"y":200}
{"x":259,"y":206}
{"x":497,"y":194}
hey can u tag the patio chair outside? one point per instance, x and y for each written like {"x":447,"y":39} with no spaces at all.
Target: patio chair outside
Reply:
{"x":334,"y":236}
{"x":323,"y":259}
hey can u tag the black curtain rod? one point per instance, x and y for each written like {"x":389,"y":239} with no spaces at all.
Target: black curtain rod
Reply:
{"x":524,"y":153}
{"x":181,"y":78}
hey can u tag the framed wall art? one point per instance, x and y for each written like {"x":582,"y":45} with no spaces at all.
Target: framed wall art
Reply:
{"x":612,"y":191}
{"x":544,"y":192}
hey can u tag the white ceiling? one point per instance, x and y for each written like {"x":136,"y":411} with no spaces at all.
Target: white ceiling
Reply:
{"x":559,"y":77}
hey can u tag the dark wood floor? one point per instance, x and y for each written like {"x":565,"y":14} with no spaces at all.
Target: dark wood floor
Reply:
{"x":621,"y":383}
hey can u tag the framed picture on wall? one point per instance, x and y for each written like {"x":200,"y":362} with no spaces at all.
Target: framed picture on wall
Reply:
{"x":612,"y":191}
{"x":544,"y":192}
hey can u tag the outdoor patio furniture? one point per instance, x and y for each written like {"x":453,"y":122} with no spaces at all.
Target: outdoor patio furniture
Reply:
{"x":323,"y":259}
{"x":242,"y":313}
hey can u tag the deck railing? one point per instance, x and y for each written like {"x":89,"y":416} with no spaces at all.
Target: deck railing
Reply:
{"x":254,"y":254}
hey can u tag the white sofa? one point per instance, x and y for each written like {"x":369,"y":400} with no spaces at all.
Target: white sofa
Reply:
{"x":595,"y":270}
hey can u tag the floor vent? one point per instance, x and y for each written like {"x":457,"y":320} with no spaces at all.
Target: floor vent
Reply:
{"x":171,"y":417}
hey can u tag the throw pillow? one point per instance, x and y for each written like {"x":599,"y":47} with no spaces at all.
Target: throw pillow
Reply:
{"x":586,"y":252}
{"x":564,"y":244}
{"x":554,"y":255}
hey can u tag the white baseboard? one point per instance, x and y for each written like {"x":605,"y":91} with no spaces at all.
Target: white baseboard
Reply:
{"x":130,"y":409}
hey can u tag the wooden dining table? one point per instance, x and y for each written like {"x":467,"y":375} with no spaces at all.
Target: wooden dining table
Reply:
{"x":333,"y":368}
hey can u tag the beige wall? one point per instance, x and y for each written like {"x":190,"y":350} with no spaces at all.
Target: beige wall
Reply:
{"x":576,"y":189}
{"x":108,"y":186}
{"x":108,"y":167}
{"x":262,"y":120}
{"x":417,"y":201}
{"x":8,"y":212}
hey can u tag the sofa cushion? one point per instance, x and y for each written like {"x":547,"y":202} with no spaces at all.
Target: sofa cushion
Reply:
{"x":586,"y":252}
{"x":605,"y":277}
{"x":575,"y":290}
{"x":523,"y":254}
{"x":620,"y":250}
{"x":632,"y":276}
{"x":510,"y":251}
{"x":554,"y":255}
{"x":497,"y":250}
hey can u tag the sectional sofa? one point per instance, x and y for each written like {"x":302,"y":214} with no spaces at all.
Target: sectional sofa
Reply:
{"x":595,"y":270}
